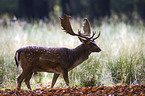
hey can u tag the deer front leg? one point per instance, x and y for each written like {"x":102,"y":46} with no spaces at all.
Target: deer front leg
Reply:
{"x":55,"y":76}
{"x":65,"y":76}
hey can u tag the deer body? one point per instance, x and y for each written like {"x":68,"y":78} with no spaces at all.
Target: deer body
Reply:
{"x":33,"y":59}
{"x":54,"y":60}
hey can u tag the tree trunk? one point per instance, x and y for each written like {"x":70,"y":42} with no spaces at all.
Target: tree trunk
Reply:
{"x":141,"y":9}
{"x":66,"y":7}
{"x":99,"y":8}
{"x":34,"y":9}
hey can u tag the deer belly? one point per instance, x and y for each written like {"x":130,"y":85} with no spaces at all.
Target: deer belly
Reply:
{"x":50,"y":69}
{"x":48,"y":66}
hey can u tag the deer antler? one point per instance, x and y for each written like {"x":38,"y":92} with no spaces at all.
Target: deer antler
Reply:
{"x":97,"y":36}
{"x":65,"y":23}
{"x":86,"y":27}
{"x":87,"y":30}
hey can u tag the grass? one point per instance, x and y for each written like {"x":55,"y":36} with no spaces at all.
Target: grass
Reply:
{"x":122,"y":60}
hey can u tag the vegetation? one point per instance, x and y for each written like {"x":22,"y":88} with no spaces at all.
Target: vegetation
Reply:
{"x":94,"y":9}
{"x":122,"y":60}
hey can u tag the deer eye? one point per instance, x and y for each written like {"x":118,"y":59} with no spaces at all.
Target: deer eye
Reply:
{"x":92,"y":44}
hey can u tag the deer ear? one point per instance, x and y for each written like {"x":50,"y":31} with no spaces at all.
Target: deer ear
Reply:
{"x":82,"y":40}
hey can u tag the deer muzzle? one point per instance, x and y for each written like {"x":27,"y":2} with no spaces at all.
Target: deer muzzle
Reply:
{"x":98,"y":49}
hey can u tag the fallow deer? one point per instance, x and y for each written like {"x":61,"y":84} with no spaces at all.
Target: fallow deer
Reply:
{"x":33,"y":59}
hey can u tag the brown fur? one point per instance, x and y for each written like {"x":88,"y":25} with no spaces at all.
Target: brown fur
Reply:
{"x":33,"y":59}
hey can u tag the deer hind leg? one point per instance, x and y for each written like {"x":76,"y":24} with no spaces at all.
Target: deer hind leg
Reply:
{"x":27,"y":80}
{"x":65,"y":76}
{"x":55,"y":76}
{"x":21,"y":77}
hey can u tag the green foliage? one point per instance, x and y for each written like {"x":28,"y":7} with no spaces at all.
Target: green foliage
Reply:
{"x":121,"y":61}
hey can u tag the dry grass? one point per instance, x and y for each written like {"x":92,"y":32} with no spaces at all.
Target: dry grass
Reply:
{"x":122,"y":60}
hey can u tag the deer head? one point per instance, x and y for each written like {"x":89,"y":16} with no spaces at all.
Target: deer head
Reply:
{"x":85,"y":38}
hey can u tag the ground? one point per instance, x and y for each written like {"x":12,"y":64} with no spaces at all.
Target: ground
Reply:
{"x":134,"y":90}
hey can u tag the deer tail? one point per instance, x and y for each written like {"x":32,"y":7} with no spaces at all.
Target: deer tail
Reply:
{"x":17,"y":55}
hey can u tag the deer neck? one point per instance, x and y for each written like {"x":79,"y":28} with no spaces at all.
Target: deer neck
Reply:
{"x":79,"y":54}
{"x":81,"y":51}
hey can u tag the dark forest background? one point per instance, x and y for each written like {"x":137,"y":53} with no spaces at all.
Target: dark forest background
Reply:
{"x":94,"y":9}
